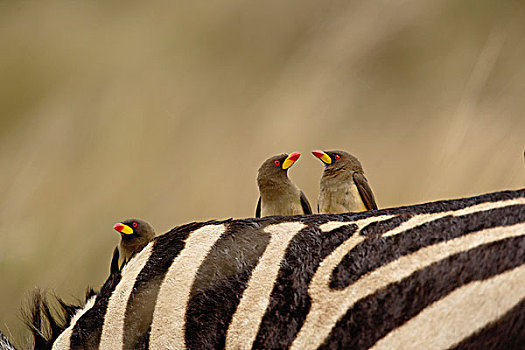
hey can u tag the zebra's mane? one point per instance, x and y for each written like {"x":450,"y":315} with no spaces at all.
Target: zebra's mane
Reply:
{"x":47,"y":317}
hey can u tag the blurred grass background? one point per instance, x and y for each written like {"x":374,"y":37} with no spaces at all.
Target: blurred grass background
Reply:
{"x":164,"y":110}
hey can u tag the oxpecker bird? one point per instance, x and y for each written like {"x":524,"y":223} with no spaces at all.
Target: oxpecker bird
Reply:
{"x":279,"y":195}
{"x":135,"y":234}
{"x":344,"y":187}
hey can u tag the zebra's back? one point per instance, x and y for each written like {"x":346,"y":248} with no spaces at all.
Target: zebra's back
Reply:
{"x":448,"y":274}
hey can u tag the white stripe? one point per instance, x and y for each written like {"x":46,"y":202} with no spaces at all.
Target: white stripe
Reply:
{"x":248,"y":316}
{"x":328,"y":305}
{"x":64,"y":339}
{"x":421,"y":219}
{"x":424,"y":218}
{"x":332,"y":225}
{"x":462,"y":313}
{"x":169,"y":316}
{"x":113,"y":328}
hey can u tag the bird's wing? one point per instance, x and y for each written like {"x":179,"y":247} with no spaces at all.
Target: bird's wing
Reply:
{"x":307,"y":209}
{"x":365,"y":191}
{"x":114,"y":262}
{"x":258,"y":210}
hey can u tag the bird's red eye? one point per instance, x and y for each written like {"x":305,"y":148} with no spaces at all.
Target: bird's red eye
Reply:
{"x":134,"y":224}
{"x":337,"y":156}
{"x":277,"y":162}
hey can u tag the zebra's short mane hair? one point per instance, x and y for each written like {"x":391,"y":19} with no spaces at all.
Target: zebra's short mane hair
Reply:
{"x":47,"y":319}
{"x":354,"y":280}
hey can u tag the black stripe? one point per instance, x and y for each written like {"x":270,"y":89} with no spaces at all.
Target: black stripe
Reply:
{"x":378,"y":228}
{"x":220,"y":283}
{"x":374,"y":316}
{"x":453,"y":204}
{"x":507,"y":333}
{"x":88,"y":329}
{"x":289,"y":302}
{"x":424,"y":208}
{"x":382,"y":250}
{"x":141,"y":303}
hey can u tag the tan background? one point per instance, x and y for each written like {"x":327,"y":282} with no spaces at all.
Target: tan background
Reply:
{"x":165,"y":110}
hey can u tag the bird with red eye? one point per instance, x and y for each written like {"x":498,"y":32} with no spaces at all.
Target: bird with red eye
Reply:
{"x":278,"y":195}
{"x":135,"y":234}
{"x":344,"y":187}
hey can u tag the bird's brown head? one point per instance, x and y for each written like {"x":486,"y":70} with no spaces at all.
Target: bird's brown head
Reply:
{"x":135,"y":230}
{"x":276,"y":167}
{"x":338,"y":160}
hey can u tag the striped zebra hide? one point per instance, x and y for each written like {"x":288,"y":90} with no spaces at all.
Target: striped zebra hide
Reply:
{"x":448,"y":274}
{"x":5,"y":344}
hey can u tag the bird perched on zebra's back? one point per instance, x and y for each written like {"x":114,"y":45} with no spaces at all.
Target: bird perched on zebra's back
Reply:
{"x":278,"y":194}
{"x":344,"y":187}
{"x":135,"y":234}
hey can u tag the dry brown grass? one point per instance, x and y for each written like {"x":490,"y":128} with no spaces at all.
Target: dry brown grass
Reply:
{"x":165,"y":110}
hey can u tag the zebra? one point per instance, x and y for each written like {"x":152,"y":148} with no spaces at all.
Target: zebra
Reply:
{"x":445,"y":274}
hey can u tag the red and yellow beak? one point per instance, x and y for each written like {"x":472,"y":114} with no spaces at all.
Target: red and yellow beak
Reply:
{"x":122,"y":228}
{"x":292,"y":158}
{"x":325,"y":158}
